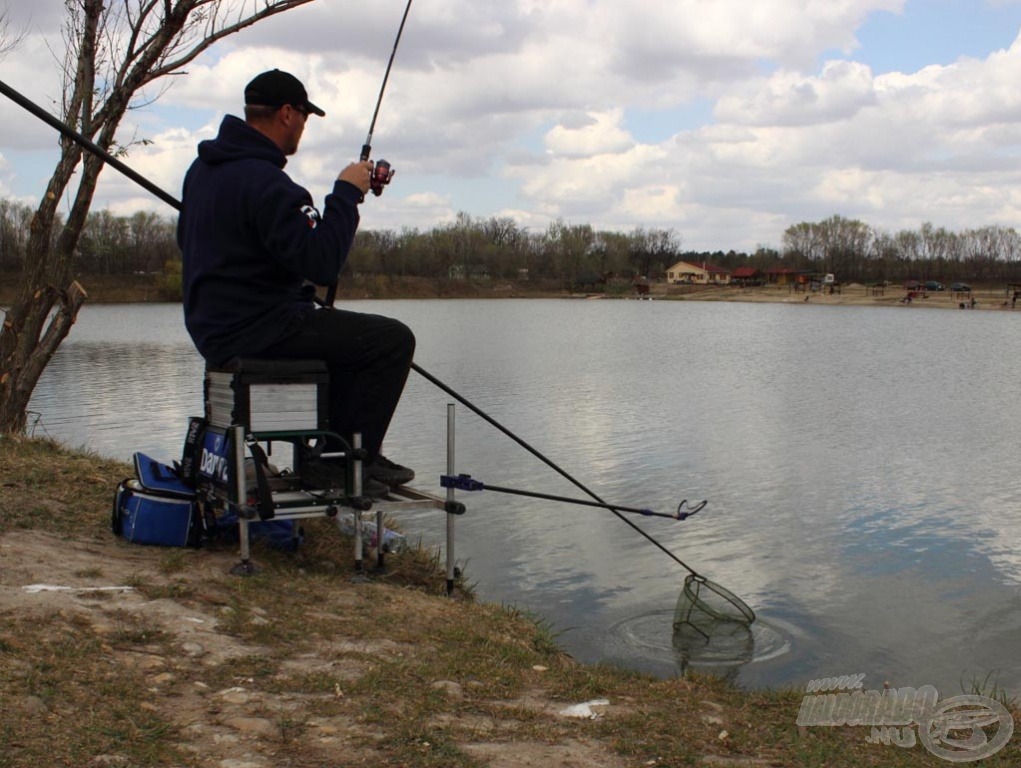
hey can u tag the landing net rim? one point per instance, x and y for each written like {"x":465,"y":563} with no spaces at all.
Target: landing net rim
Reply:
{"x":744,"y":615}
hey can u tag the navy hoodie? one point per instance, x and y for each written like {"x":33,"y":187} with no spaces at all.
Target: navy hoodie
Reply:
{"x":251,"y":237}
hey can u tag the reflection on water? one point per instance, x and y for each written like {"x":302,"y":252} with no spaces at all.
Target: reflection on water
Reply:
{"x":712,"y":629}
{"x":859,"y":465}
{"x":90,"y":405}
{"x":722,"y":651}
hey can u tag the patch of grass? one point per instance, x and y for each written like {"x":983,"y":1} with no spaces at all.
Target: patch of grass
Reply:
{"x":329,"y":552}
{"x":132,"y":629}
{"x":429,"y":748}
{"x":91,"y":703}
{"x":48,"y":487}
{"x":989,"y":688}
{"x":545,"y":639}
{"x":175,"y":590}
{"x":173,"y":561}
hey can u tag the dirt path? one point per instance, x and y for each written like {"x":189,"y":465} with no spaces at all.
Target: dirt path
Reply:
{"x":176,"y":637}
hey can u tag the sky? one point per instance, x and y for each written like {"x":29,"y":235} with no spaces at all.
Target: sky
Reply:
{"x":726,"y":121}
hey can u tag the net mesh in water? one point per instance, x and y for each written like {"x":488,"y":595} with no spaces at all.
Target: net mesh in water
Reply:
{"x":705,"y":605}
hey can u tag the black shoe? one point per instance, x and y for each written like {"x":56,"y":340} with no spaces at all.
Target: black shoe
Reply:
{"x":388,"y":472}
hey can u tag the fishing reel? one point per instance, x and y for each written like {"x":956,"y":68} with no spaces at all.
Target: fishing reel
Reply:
{"x":381,"y":175}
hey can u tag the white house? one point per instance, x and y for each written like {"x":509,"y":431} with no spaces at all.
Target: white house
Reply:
{"x":700,"y":274}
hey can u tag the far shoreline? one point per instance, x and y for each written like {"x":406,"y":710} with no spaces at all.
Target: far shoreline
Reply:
{"x":138,"y":289}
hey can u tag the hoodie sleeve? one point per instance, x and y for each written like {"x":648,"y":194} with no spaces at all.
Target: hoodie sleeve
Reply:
{"x":303,"y":241}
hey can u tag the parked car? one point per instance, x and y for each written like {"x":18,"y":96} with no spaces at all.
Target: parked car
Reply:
{"x":934,"y":285}
{"x":961,"y":287}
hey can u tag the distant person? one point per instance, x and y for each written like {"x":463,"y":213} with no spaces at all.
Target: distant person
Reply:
{"x":255,"y":246}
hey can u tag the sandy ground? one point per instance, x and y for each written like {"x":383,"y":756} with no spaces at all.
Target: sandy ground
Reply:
{"x":87,"y":584}
{"x":847,"y":295}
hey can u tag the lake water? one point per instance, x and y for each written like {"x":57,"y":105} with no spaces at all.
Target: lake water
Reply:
{"x":860,"y":463}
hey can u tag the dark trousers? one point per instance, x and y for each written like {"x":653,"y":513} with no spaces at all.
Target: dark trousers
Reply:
{"x":368,"y":357}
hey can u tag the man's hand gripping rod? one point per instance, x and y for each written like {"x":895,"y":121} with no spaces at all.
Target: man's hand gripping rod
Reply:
{"x":382,"y":173}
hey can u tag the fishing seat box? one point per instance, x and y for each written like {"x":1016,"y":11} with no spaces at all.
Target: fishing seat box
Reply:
{"x":265,"y":395}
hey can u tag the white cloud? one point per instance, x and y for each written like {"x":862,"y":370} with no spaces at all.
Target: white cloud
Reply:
{"x":940,"y":144}
{"x":591,"y":134}
{"x":731,"y":37}
{"x":541,"y":109}
{"x":163,"y":163}
{"x":789,"y":98}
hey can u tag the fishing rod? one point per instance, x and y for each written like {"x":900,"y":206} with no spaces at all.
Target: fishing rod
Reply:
{"x":367,"y":146}
{"x":382,"y":173}
{"x":469,"y":483}
{"x":170,"y":200}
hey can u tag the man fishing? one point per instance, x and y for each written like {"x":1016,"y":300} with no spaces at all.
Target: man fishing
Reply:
{"x":255,"y":246}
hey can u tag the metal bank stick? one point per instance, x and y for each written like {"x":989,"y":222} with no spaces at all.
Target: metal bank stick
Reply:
{"x":450,"y":500}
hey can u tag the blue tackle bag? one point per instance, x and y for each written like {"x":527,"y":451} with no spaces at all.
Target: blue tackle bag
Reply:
{"x":157,"y":507}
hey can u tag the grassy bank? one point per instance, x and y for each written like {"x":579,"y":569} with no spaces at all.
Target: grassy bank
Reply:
{"x":150,"y":656}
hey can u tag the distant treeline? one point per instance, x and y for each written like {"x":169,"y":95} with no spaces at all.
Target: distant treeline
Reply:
{"x":573,"y":255}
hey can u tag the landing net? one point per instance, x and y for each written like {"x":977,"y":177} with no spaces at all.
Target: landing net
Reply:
{"x":706,"y":606}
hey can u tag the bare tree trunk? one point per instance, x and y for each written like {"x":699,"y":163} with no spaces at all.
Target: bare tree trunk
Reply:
{"x":32,"y":358}
{"x":24,"y":349}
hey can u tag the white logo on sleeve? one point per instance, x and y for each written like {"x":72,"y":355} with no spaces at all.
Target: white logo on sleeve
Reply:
{"x":312,"y":215}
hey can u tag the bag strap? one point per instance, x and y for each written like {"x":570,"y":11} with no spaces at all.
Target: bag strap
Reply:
{"x":265,"y":505}
{"x":117,"y":518}
{"x":190,"y":454}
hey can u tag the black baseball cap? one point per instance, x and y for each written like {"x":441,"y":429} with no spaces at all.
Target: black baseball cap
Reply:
{"x":276,"y":88}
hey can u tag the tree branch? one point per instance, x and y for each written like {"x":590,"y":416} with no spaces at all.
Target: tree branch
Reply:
{"x":270,"y":9}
